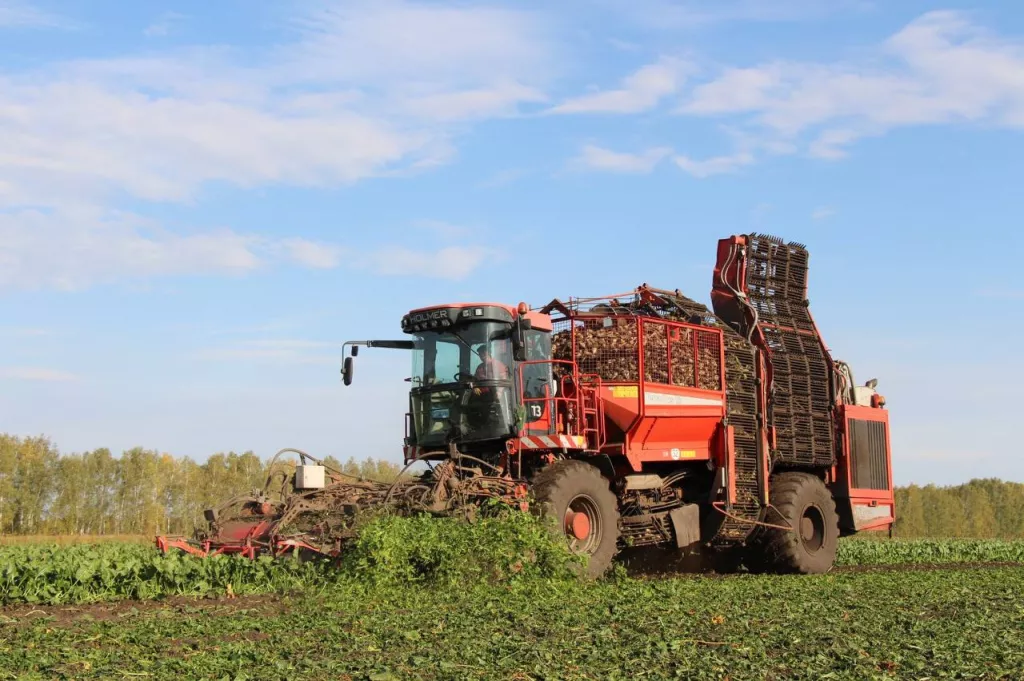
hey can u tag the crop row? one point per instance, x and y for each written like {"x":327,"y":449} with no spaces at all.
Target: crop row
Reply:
{"x":85,"y":574}
{"x":391,"y":550}
{"x":929,"y":551}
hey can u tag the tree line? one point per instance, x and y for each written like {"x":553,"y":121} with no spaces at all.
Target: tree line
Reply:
{"x":145,"y":492}
{"x":140,"y":492}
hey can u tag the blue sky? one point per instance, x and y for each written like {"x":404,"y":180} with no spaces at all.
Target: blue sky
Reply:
{"x":200,"y":202}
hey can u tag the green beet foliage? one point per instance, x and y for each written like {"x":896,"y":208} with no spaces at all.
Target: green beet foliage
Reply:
{"x":390,"y":550}
{"x":508,"y":548}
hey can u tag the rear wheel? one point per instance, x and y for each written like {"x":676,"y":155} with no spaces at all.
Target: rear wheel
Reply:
{"x":806,"y":505}
{"x":585,"y":511}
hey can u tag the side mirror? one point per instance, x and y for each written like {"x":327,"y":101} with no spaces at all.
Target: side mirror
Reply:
{"x":519,"y":339}
{"x":346,"y":370}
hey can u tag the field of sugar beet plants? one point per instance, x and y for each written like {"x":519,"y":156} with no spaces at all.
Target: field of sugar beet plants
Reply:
{"x":421,"y":599}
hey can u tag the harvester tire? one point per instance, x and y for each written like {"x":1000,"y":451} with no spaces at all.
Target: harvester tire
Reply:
{"x":585,"y":511}
{"x":801,"y":501}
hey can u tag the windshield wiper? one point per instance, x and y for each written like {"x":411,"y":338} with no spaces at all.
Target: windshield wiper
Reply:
{"x":462,"y":340}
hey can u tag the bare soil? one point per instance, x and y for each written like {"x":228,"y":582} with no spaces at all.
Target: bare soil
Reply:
{"x":65,"y":615}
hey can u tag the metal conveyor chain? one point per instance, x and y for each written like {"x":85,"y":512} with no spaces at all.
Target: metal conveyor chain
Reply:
{"x":800,"y":402}
{"x":741,"y":414}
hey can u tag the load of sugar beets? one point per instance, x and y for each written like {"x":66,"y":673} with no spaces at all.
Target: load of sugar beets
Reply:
{"x":640,"y":424}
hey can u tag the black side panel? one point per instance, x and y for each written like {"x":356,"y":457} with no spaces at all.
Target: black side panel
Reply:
{"x":868,"y":456}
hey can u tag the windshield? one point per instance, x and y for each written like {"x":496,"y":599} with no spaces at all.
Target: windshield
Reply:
{"x":481,"y":351}
{"x":462,"y":384}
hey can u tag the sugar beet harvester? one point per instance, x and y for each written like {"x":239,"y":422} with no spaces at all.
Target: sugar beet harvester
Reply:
{"x":636,"y":420}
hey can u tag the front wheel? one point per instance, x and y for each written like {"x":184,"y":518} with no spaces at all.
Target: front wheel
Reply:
{"x":577,"y":497}
{"x":806,"y":505}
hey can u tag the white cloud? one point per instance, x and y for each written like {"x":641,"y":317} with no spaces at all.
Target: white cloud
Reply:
{"x":444,"y":230}
{"x":365,"y":89}
{"x":84,"y":139}
{"x":164,"y":25}
{"x":689,"y":14}
{"x":14,"y":13}
{"x":388,"y":41}
{"x":453,"y":263}
{"x":717,"y":165}
{"x":23,"y":332}
{"x":939,"y":69}
{"x":823,"y":213}
{"x":35,"y":374}
{"x":641,"y":91}
{"x":597,"y":158}
{"x":502,"y":178}
{"x":502,"y":99}
{"x":1001,"y":293}
{"x":72,"y":249}
{"x":312,"y":254}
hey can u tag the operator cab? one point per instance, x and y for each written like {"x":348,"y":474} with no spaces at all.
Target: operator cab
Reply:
{"x":468,"y":365}
{"x":480,"y":374}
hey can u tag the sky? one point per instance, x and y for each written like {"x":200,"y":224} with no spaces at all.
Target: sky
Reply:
{"x":200,"y":202}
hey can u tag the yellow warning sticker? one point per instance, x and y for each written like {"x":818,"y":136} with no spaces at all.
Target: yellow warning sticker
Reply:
{"x":625,"y":391}
{"x":689,"y":454}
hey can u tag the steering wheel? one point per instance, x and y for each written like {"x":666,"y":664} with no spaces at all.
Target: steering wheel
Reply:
{"x":459,"y":377}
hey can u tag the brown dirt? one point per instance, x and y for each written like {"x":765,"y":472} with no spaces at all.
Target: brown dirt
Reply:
{"x":66,"y":615}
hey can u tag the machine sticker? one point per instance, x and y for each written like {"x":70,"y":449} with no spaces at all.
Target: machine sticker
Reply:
{"x":625,"y":391}
{"x":675,"y":455}
{"x":689,"y":454}
{"x":666,"y":399}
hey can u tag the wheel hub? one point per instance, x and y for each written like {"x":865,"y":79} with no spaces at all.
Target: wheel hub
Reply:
{"x":577,"y":524}
{"x":812,"y":529}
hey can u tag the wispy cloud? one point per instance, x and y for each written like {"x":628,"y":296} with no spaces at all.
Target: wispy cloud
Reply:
{"x":444,"y":230}
{"x":73,"y":249}
{"x":640,"y":91}
{"x":502,"y":178}
{"x":1001,"y":293}
{"x":716,"y":165}
{"x":823,"y":213}
{"x":592,"y":157}
{"x":14,"y":13}
{"x":36,"y":374}
{"x":453,"y":263}
{"x":941,"y":68}
{"x":690,"y":14}
{"x":23,"y":332}
{"x":343,"y":102}
{"x":165,"y":24}
{"x":311,"y":253}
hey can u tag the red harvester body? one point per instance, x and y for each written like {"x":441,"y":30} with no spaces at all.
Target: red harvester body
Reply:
{"x":637,"y":420}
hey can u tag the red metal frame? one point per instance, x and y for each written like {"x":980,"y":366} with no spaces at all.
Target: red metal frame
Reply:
{"x":686,"y":423}
{"x":844,"y":476}
{"x":551,"y":413}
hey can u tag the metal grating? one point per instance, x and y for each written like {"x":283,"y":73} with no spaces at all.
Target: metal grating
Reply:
{"x":656,"y":343}
{"x":709,"y":360}
{"x":868,"y":461}
{"x":741,"y":414}
{"x":605,"y":346}
{"x":801,"y":404}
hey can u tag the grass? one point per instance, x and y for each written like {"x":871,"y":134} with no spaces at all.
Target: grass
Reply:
{"x":420,"y":599}
{"x":880,"y":625}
